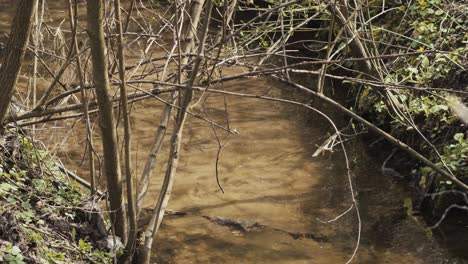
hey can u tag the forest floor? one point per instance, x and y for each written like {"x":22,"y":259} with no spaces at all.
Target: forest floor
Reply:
{"x":46,"y":217}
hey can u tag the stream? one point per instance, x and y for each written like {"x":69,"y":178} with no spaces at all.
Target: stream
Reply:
{"x":277,"y":196}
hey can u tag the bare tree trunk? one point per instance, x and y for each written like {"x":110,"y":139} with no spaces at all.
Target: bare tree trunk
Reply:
{"x":166,"y":190}
{"x":340,"y":12}
{"x":106,"y":118}
{"x":126,"y":257}
{"x":186,"y":45}
{"x":15,"y":50}
{"x":73,"y":10}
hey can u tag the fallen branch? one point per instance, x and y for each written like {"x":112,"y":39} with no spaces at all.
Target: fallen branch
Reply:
{"x":78,"y":179}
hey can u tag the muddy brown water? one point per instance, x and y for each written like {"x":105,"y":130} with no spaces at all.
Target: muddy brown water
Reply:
{"x":273,"y":188}
{"x":275,"y":191}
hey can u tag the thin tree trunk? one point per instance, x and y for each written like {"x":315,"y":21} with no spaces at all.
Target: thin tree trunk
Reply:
{"x":127,"y":23}
{"x":106,"y":118}
{"x":186,"y":45}
{"x":37,"y":34}
{"x":228,"y":12}
{"x":344,"y":19}
{"x":126,"y":257}
{"x":73,"y":9}
{"x":15,"y":50}
{"x":174,"y":154}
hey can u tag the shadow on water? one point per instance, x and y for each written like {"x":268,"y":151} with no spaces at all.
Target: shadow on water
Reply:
{"x":273,"y":180}
{"x":388,"y":225}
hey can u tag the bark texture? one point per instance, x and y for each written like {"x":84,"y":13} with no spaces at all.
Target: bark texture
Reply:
{"x":14,"y":54}
{"x":106,"y":118}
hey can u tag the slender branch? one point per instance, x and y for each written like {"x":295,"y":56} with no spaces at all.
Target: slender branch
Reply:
{"x":158,"y":212}
{"x":132,"y":234}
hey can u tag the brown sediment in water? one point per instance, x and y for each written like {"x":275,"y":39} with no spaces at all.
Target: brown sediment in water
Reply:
{"x":274,"y":190}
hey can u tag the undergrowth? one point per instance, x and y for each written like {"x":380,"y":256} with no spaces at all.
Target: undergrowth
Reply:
{"x":438,"y":27}
{"x":45,"y":216}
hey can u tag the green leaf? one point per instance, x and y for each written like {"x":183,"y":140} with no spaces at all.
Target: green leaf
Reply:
{"x":422,"y":181}
{"x":15,"y":250}
{"x":84,"y":247}
{"x":12,"y":259}
{"x":425,"y":62}
{"x":459,"y":137}
{"x":6,"y":187}
{"x":26,"y":216}
{"x":413,"y":70}
{"x":437,"y":108}
{"x":408,"y":204}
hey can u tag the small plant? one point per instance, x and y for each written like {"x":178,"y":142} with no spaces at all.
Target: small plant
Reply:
{"x":11,"y":255}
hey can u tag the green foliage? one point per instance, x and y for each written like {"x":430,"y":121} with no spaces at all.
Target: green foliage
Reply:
{"x":26,"y":215}
{"x":455,"y":155}
{"x":11,"y":254}
{"x":6,"y":187}
{"x":33,"y":236}
{"x":83,"y":246}
{"x":31,"y":194}
{"x":52,"y":256}
{"x":427,"y":25}
{"x":437,"y":27}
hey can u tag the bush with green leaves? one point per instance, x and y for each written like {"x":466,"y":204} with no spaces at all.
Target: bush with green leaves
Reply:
{"x":437,"y":29}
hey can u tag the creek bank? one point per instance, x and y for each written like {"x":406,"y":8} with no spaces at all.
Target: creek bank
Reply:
{"x":394,"y":209}
{"x":431,"y":82}
{"x":421,"y":93}
{"x":45,"y":217}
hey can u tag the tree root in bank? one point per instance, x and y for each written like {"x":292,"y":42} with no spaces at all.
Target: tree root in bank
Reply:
{"x":452,"y":206}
